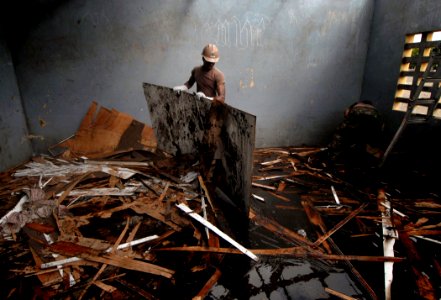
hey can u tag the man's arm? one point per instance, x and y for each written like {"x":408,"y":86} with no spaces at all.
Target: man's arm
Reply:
{"x":220,"y":93}
{"x":190,"y":80}
{"x":187,"y":85}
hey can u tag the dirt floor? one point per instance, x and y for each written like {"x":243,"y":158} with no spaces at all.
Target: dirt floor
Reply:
{"x":316,"y":229}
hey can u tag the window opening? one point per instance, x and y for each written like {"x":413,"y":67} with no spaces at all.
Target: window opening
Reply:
{"x":416,"y":54}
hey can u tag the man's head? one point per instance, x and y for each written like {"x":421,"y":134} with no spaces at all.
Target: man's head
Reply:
{"x":210,"y":53}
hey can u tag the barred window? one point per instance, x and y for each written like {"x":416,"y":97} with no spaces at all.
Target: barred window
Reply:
{"x":416,"y":55}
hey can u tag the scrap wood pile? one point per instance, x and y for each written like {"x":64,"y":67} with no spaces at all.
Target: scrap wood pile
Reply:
{"x":362,"y":219}
{"x":88,"y":221}
{"x":121,"y":227}
{"x":134,"y":222}
{"x":93,"y":225}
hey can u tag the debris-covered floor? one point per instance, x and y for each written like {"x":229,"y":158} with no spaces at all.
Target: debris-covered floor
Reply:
{"x":118,"y":227}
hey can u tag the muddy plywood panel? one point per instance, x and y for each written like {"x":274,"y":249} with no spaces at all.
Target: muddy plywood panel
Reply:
{"x":181,"y":123}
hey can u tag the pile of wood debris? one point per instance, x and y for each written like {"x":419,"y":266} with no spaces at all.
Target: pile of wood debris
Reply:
{"x":361,"y":211}
{"x":121,"y":219}
{"x":140,"y":224}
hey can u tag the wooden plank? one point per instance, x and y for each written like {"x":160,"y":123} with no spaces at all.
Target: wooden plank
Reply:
{"x":130,"y":264}
{"x":299,"y":251}
{"x":208,"y":285}
{"x":389,"y":236}
{"x":340,"y":224}
{"x":213,"y":228}
{"x":338,"y":294}
{"x":264,"y":186}
{"x":275,"y":227}
{"x":425,"y":287}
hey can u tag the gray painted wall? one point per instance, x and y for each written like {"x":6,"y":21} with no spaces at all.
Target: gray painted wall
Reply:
{"x":15,"y":147}
{"x":392,"y":20}
{"x":294,"y":64}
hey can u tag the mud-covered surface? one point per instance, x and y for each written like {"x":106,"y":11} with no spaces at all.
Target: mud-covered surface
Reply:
{"x":183,"y":124}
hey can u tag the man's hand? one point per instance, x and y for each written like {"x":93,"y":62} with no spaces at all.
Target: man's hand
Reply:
{"x":180,"y":88}
{"x":200,"y":95}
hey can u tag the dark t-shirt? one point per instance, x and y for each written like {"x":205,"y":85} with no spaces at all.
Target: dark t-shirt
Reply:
{"x":206,"y":82}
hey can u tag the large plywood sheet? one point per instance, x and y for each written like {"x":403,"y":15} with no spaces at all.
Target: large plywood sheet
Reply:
{"x":183,"y":124}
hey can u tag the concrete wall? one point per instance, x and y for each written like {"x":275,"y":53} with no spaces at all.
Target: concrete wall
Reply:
{"x":294,"y":64}
{"x":392,"y":20}
{"x":15,"y":147}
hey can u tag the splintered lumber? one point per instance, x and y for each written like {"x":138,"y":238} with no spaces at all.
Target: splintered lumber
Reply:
{"x":340,"y":224}
{"x":275,"y":227}
{"x":315,"y":219}
{"x":207,"y":194}
{"x":258,"y":197}
{"x":71,"y":249}
{"x":272,"y":162}
{"x":156,"y":209}
{"x":264,"y":186}
{"x":428,"y":239}
{"x":127,"y":191}
{"x":121,"y":246}
{"x":105,"y":287}
{"x":63,"y":168}
{"x":389,"y":237}
{"x":283,"y":198}
{"x":338,"y":294}
{"x":292,"y":252}
{"x":269,"y":177}
{"x":198,"y":218}
{"x":104,"y":266}
{"x":208,"y":285}
{"x":425,"y":287}
{"x":130,"y":264}
{"x":140,"y":293}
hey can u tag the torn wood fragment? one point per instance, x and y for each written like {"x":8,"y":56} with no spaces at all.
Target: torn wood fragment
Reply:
{"x":338,"y":294}
{"x":272,"y":162}
{"x":389,"y":237}
{"x":75,"y":259}
{"x":208,"y":285}
{"x":127,"y":191}
{"x":258,"y":197}
{"x":49,"y":169}
{"x":130,"y":264}
{"x":339,"y":225}
{"x":198,"y":218}
{"x":299,"y":251}
{"x":268,"y":187}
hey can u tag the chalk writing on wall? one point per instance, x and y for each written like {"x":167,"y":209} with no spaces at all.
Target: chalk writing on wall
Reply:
{"x":246,"y":32}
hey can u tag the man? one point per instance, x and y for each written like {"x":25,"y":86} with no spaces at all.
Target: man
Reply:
{"x":359,"y":136}
{"x":210,"y":84}
{"x":210,"y":81}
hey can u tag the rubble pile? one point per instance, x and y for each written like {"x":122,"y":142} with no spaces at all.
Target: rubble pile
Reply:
{"x":122,"y":227}
{"x":122,"y":219}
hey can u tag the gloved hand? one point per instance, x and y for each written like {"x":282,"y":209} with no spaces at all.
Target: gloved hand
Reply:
{"x":200,"y":95}
{"x":180,"y":88}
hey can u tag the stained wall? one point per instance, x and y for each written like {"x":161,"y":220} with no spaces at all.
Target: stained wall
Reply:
{"x":295,"y":65}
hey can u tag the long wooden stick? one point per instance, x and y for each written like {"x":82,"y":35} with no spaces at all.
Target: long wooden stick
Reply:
{"x":293,"y":252}
{"x":213,"y":228}
{"x":339,"y":225}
